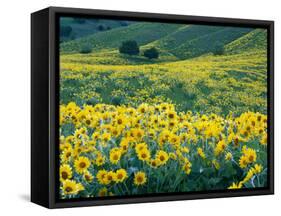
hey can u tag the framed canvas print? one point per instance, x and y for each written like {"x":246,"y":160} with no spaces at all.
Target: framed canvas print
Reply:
{"x":138,"y":107}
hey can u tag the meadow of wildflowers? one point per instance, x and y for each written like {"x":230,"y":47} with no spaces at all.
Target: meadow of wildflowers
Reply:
{"x":131,"y":126}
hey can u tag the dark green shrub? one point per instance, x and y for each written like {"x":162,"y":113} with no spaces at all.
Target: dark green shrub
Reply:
{"x":151,"y":53}
{"x":179,"y":85}
{"x":123,"y":23}
{"x":101,"y":27}
{"x":86,"y":48}
{"x":117,"y":100}
{"x":93,"y":101}
{"x":129,"y":47}
{"x":99,"y":89}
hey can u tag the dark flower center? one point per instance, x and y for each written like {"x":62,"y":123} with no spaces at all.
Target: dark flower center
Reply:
{"x":68,"y":189}
{"x":64,"y":175}
{"x":139,"y":179}
{"x":82,"y":165}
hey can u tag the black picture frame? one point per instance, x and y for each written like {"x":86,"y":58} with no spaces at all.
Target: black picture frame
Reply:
{"x":45,"y":105}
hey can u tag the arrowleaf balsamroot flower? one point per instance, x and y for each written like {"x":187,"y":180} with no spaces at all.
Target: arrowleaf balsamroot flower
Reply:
{"x":140,"y":178}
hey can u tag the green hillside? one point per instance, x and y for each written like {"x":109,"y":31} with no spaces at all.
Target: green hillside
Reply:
{"x":142,"y":32}
{"x":81,"y":27}
{"x":183,"y":35}
{"x":175,"y":41}
{"x":109,"y":57}
{"x":255,"y":40}
{"x":205,"y":43}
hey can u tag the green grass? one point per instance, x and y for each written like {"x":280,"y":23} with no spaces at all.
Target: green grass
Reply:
{"x":90,"y":26}
{"x":183,"y":35}
{"x":207,"y":42}
{"x":174,"y":41}
{"x":143,"y":33}
{"x":254,"y":40}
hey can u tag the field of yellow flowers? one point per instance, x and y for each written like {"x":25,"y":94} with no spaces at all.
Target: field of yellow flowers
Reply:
{"x":193,"y":84}
{"x":108,"y":150}
{"x":192,"y":119}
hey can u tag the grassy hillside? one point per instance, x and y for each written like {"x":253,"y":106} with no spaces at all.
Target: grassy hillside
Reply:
{"x":174,"y":41}
{"x":114,"y":58}
{"x":254,"y":40}
{"x":183,"y":35}
{"x":143,"y":33}
{"x":82,"y":27}
{"x":205,"y":43}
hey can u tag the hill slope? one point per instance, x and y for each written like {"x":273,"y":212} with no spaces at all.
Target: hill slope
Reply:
{"x":81,"y":27}
{"x":174,"y":41}
{"x":143,"y":33}
{"x":205,"y":43}
{"x":255,"y":40}
{"x":183,"y":35}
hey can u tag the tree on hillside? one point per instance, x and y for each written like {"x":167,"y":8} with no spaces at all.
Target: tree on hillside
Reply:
{"x":101,"y":27}
{"x":218,"y":49}
{"x":151,"y":53}
{"x":86,"y":48}
{"x":123,"y":23}
{"x":129,"y":47}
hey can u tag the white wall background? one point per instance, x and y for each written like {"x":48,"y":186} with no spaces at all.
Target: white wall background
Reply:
{"x":15,"y":106}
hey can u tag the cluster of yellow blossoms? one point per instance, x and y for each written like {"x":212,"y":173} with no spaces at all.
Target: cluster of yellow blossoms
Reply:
{"x":115,"y":150}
